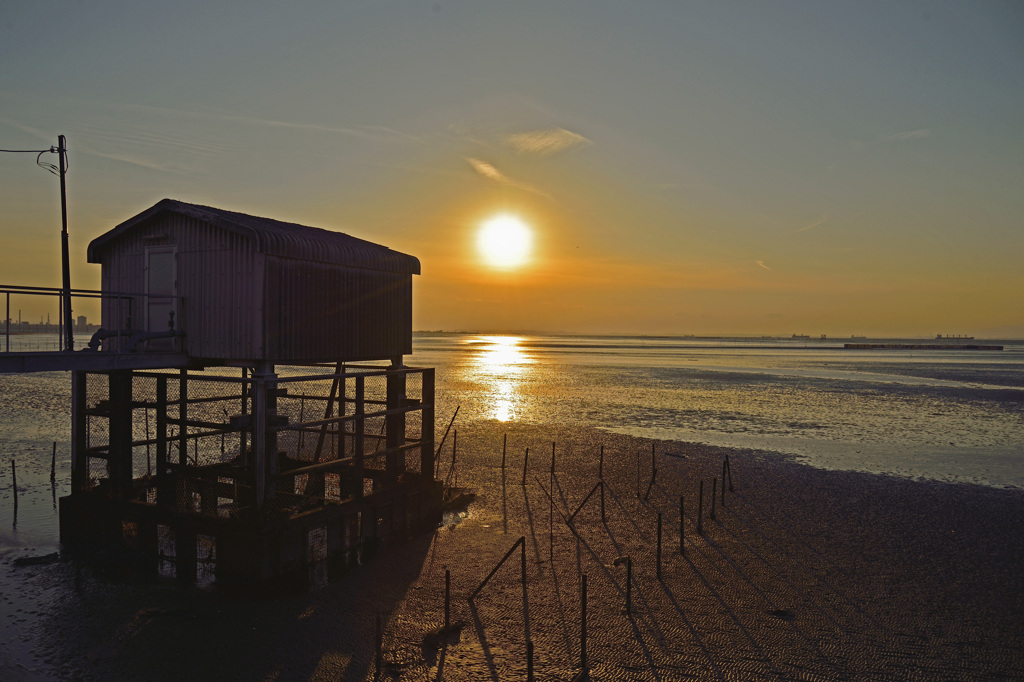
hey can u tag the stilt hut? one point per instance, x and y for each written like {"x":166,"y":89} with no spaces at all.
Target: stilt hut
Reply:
{"x":287,"y":436}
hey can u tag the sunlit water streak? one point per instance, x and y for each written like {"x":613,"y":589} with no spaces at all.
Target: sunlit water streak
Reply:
{"x":944,"y":415}
{"x":953,"y":416}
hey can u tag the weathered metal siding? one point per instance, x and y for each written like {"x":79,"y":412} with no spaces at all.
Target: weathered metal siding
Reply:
{"x":322,"y":312}
{"x":257,"y":289}
{"x":219,"y":281}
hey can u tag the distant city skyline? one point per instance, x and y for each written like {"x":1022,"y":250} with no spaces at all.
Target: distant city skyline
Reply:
{"x":683,"y":168}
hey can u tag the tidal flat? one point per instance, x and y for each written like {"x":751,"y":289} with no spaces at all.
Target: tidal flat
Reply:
{"x":803,"y":573}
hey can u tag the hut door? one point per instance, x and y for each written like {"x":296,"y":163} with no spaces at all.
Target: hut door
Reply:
{"x":161,"y":289}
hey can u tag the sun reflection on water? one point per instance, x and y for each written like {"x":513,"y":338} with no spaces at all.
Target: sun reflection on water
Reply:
{"x":501,"y":366}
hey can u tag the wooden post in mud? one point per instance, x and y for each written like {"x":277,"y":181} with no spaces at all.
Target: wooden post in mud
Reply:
{"x":504,"y":447}
{"x":700,"y":510}
{"x":714,"y":494}
{"x":526,"y":460}
{"x":603,"y":518}
{"x":53,"y":458}
{"x":682,"y":549}
{"x":447,"y":599}
{"x":728,"y":468}
{"x":529,"y":660}
{"x":654,"y":474}
{"x":551,"y":511}
{"x":455,"y":449}
{"x":724,"y":470}
{"x":14,"y":482}
{"x":659,"y":546}
{"x":583,"y":628}
{"x":600,"y":465}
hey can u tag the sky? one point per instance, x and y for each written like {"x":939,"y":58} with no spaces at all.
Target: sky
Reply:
{"x":839,"y":168}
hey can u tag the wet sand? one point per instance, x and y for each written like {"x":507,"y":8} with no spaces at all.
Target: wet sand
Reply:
{"x":803,"y":574}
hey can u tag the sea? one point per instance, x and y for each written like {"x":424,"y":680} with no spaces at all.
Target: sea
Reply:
{"x":947,"y":415}
{"x":944,"y":415}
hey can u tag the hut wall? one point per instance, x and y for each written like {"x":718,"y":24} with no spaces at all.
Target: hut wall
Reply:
{"x":304,"y":311}
{"x":219,"y":277}
{"x":318,"y":312}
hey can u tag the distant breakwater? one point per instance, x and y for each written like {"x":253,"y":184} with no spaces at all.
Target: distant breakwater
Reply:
{"x":920,"y":346}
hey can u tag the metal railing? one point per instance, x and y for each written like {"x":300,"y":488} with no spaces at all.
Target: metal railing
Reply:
{"x":118,"y":310}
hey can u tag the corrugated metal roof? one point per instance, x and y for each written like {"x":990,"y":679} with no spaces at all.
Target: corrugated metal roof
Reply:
{"x":277,"y":238}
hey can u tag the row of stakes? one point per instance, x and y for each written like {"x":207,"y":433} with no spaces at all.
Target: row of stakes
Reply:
{"x":14,"y":478}
{"x":619,"y":561}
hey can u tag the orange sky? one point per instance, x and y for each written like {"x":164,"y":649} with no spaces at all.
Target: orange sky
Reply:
{"x":687,"y":169}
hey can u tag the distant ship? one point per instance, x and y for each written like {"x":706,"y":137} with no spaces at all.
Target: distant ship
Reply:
{"x":940,"y":337}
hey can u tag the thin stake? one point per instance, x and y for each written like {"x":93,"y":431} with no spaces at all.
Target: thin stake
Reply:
{"x":529,"y":660}
{"x":14,"y":481}
{"x":700,"y":510}
{"x":600,"y":465}
{"x":603,"y":518}
{"x":53,"y":462}
{"x":682,"y":549}
{"x":521,"y":541}
{"x":504,"y":446}
{"x":724,"y":469}
{"x":551,"y":517}
{"x":728,"y":467}
{"x":551,"y":507}
{"x":659,"y":545}
{"x":526,"y":460}
{"x":714,"y":494}
{"x":437,"y":457}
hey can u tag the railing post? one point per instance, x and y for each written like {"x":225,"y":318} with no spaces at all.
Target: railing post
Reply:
{"x":360,"y":432}
{"x":427,"y":423}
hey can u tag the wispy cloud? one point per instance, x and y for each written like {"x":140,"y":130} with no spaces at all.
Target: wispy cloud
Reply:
{"x":489,"y":171}
{"x":909,"y":135}
{"x":27,"y":129}
{"x":545,"y":142}
{"x":366,"y":132}
{"x":817,"y":223}
{"x":761,"y":264}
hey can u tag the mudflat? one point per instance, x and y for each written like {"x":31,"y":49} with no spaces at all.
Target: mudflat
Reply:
{"x":802,"y":573}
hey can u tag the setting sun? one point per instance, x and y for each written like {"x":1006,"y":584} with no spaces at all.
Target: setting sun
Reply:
{"x":504,"y":241}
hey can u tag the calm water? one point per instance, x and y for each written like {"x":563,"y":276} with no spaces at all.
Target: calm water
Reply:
{"x":954,"y":415}
{"x":946,"y":415}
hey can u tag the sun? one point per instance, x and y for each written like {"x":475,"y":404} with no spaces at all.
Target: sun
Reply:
{"x":504,"y":241}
